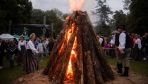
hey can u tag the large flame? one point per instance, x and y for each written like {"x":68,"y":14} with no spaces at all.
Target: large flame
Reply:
{"x":73,"y":55}
{"x":69,"y":71}
{"x":76,"y":5}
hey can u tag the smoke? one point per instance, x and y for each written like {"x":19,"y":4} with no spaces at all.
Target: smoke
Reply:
{"x":76,"y":5}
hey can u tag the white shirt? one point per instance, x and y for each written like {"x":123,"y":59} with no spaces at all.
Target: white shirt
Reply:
{"x":138,"y":41}
{"x":40,"y":48}
{"x":21,"y":43}
{"x":31,"y":46}
{"x":100,"y":40}
{"x":122,"y":41}
{"x":112,"y":41}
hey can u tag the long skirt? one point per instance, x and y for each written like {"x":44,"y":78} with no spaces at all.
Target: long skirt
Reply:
{"x":21,"y":56}
{"x":31,"y":62}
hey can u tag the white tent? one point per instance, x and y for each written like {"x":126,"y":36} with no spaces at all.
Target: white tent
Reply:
{"x":6,"y":37}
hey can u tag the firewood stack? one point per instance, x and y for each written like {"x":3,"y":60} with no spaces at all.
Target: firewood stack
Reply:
{"x":76,"y":57}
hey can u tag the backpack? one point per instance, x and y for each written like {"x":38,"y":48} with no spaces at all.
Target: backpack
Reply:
{"x":129,"y":41}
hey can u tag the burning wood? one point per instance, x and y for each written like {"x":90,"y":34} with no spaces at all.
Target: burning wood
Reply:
{"x":76,"y":57}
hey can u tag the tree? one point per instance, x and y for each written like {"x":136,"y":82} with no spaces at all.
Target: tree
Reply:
{"x":54,"y":18}
{"x":14,"y":12}
{"x":119,"y":18}
{"x":126,"y":4}
{"x":37,"y":16}
{"x":102,"y":12}
{"x":139,"y":16}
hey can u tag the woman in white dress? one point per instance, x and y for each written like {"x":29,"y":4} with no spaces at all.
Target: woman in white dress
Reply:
{"x":31,"y":57}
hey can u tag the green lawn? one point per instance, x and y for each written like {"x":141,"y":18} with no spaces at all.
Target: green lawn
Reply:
{"x":8,"y":75}
{"x":139,"y":67}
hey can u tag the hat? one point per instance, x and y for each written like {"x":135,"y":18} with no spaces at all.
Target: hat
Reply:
{"x":121,"y":27}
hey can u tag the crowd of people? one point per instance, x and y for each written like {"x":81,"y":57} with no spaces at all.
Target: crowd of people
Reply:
{"x":125,"y":46}
{"x":139,"y":49}
{"x":121,"y":44}
{"x":26,"y":53}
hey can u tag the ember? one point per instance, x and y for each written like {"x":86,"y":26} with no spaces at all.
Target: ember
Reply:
{"x":76,"y":57}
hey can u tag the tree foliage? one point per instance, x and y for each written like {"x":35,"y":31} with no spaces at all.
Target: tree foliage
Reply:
{"x":139,"y":16}
{"x":126,"y":4}
{"x":37,"y":16}
{"x":53,"y":17}
{"x":119,"y":18}
{"x":103,"y":12}
{"x":14,"y":11}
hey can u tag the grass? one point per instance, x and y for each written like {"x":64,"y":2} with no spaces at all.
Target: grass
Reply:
{"x":8,"y":75}
{"x":43,"y":62}
{"x":139,"y":67}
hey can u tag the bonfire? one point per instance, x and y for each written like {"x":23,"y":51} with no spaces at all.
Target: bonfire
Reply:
{"x":76,"y":57}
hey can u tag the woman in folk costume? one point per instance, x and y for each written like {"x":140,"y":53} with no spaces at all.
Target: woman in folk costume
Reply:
{"x":22,"y":50}
{"x":31,"y":57}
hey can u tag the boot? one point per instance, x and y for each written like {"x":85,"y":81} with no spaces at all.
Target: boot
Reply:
{"x":119,"y":67}
{"x":126,"y":71}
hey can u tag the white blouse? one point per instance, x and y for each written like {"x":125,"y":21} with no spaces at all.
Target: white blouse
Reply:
{"x":122,"y":40}
{"x":31,"y":46}
{"x":21,"y":43}
{"x":138,"y":42}
{"x":40,"y":48}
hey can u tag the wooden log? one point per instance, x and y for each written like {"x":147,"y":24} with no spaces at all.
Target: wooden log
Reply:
{"x":63,"y":61}
{"x":90,"y":66}
{"x":54,"y":51}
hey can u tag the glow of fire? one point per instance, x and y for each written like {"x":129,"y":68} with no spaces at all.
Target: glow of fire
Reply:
{"x":69,"y":71}
{"x":73,"y":55}
{"x":76,"y":5}
{"x":61,"y":49}
{"x":70,"y":31}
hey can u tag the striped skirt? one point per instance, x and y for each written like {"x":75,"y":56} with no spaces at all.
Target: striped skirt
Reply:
{"x":31,"y":62}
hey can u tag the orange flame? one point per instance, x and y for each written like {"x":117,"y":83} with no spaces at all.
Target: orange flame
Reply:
{"x":73,"y":55}
{"x":70,"y":31}
{"x":69,"y":72}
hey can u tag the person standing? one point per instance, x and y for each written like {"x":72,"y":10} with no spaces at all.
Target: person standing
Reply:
{"x":31,"y":57}
{"x":22,"y":50}
{"x":40,"y":48}
{"x":145,"y":46}
{"x":11,"y":47}
{"x":124,"y":48}
{"x":101,"y":41}
{"x":137,"y":48}
{"x":50,"y":44}
{"x":112,"y":44}
{"x":117,"y":52}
